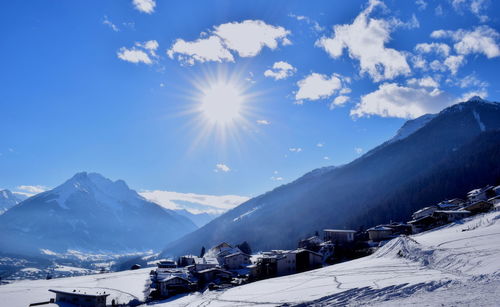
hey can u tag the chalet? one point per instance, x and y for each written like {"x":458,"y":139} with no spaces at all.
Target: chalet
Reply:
{"x":423,"y":223}
{"x":204,"y":263}
{"x":338,"y":235}
{"x":236,"y":261}
{"x":313,"y":243}
{"x":481,"y":194}
{"x":166,"y":264}
{"x":478,"y":207}
{"x":307,"y":260}
{"x":81,"y":298}
{"x":187,"y":260}
{"x":426,"y":211}
{"x":448,"y":216}
{"x":215,"y":275}
{"x":451,"y":204}
{"x":173,"y":285}
{"x":286,"y":262}
{"x":380,"y":233}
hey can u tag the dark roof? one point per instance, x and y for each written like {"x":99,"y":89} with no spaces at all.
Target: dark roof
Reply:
{"x":340,"y":230}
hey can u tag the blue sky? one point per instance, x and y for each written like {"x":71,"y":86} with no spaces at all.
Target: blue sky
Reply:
{"x":117,"y":87}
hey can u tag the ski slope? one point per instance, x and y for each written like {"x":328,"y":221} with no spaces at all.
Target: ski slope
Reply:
{"x":455,"y":265}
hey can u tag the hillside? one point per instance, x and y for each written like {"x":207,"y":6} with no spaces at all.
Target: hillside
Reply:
{"x":456,"y":264}
{"x":89,"y":213}
{"x":8,"y":200}
{"x":389,"y":182}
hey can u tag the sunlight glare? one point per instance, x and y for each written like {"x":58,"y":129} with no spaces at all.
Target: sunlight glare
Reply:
{"x":221,"y":103}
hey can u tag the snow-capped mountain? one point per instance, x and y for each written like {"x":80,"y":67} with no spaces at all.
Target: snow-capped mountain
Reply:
{"x":8,"y":200}
{"x":91,"y":213}
{"x":434,"y":158}
{"x":199,"y":219}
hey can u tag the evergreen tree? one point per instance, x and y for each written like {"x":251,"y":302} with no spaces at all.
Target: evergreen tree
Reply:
{"x":245,"y":247}
{"x":202,"y":251}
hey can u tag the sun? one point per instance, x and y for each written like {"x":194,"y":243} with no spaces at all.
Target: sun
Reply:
{"x":221,"y":103}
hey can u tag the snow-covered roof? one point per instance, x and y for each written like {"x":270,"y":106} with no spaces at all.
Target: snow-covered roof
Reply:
{"x":452,"y":211}
{"x":236,"y":254}
{"x":86,"y":292}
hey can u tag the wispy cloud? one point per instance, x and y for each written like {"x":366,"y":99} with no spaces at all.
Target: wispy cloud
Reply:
{"x":263,"y":122}
{"x":30,"y":190}
{"x":111,"y":25}
{"x":295,"y":149}
{"x":195,"y":203}
{"x":221,"y":167}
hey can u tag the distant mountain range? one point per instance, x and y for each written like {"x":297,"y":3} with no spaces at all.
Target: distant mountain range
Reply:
{"x":9,"y":200}
{"x":199,"y":219}
{"x":90,"y":213}
{"x":431,"y":158}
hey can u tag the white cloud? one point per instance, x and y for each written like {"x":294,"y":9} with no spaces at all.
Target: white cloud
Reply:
{"x":476,"y":7}
{"x":482,"y":39}
{"x":438,"y":10}
{"x":317,"y":86}
{"x":339,"y":101}
{"x":358,"y":150}
{"x":276,"y":178}
{"x":320,"y":145}
{"x":439,"y":48}
{"x":263,"y":122}
{"x":30,"y":190}
{"x":393,"y":100}
{"x":281,"y":70}
{"x":108,"y":22}
{"x":422,"y":5}
{"x":221,"y":167}
{"x":326,"y":158}
{"x":423,"y":82}
{"x":365,"y":41}
{"x":201,"y":50}
{"x":453,"y":62}
{"x":140,"y":53}
{"x":245,"y":38}
{"x":144,"y":6}
{"x":295,"y":149}
{"x":195,"y":203}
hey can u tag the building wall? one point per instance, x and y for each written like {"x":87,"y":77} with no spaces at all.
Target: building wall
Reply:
{"x":339,"y":236}
{"x":286,"y":264}
{"x":80,"y":300}
{"x":379,"y":235}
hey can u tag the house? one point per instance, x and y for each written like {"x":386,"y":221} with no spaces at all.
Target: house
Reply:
{"x":214,"y":275}
{"x":274,"y":263}
{"x":203,"y":264}
{"x":448,"y":216}
{"x":187,"y":260}
{"x":236,"y":261}
{"x":173,"y":285}
{"x":338,"y":235}
{"x":478,"y":207}
{"x":286,"y":262}
{"x":481,"y":194}
{"x":423,"y":212}
{"x":82,"y":298}
{"x":451,"y":204}
{"x":399,"y":228}
{"x":307,"y":260}
{"x":166,"y":264}
{"x":380,"y":233}
{"x":312,"y":243}
{"x":423,"y":223}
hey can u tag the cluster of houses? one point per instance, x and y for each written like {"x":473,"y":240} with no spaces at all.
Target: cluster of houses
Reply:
{"x":478,"y":201}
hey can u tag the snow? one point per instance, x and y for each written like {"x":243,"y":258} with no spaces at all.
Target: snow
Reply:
{"x":454,"y":265}
{"x":478,"y":119}
{"x":122,"y":286}
{"x":236,"y":219}
{"x":412,"y":126}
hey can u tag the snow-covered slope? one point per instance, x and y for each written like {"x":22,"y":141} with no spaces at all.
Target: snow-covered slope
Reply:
{"x":411,"y":126}
{"x":90,"y":213}
{"x":454,"y":265}
{"x":8,"y":200}
{"x":422,"y":269}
